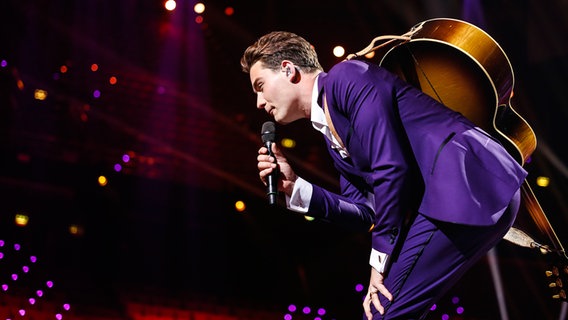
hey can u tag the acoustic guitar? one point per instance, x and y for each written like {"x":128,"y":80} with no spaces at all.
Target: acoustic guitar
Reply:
{"x":462,"y":67}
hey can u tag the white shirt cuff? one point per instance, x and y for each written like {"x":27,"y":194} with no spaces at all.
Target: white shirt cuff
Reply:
{"x":378,"y":260}
{"x":299,"y":201}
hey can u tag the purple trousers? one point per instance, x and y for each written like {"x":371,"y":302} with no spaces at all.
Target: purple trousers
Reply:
{"x":432,"y":259}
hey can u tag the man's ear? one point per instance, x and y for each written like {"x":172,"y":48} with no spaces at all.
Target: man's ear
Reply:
{"x":291,"y":71}
{"x":287,"y":67}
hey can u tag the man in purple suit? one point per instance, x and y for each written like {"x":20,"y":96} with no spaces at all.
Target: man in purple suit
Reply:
{"x":435,"y":191}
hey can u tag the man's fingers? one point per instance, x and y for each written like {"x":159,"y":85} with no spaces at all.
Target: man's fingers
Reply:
{"x":367,"y":307}
{"x":385,"y":292}
{"x":372,"y":297}
{"x":377,"y":303}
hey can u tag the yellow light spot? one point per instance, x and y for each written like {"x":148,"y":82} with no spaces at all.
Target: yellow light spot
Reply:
{"x":21,"y":219}
{"x":288,"y":143}
{"x":40,"y":94}
{"x":542,"y":181}
{"x":308,"y":218}
{"x":370,"y":55}
{"x":102,"y":181}
{"x":240,"y":206}
{"x":76,"y":230}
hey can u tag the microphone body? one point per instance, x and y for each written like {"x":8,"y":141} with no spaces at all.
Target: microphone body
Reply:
{"x":268,"y":138}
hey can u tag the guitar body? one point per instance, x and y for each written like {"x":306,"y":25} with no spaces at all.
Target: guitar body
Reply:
{"x":462,"y":67}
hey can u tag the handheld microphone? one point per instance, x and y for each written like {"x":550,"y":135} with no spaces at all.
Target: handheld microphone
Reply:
{"x":268,"y":134}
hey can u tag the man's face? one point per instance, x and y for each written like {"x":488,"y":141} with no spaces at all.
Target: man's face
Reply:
{"x":275,"y":92}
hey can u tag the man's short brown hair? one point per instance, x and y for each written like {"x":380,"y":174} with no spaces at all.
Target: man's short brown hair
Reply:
{"x":272,"y":48}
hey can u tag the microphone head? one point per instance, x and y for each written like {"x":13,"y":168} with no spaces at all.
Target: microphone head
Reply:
{"x":268,"y":131}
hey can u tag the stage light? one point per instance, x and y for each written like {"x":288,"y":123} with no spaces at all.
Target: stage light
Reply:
{"x":339,"y":51}
{"x":76,"y":230}
{"x":199,"y":8}
{"x":288,"y":143}
{"x":170,"y":5}
{"x":102,"y":181}
{"x":112,"y":80}
{"x":229,"y":11}
{"x":94,"y":67}
{"x":240,"y":206}
{"x":542,"y":181}
{"x":21,"y":219}
{"x":40,"y":94}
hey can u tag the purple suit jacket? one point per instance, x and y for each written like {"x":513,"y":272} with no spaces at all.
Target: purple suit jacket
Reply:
{"x":410,"y":152}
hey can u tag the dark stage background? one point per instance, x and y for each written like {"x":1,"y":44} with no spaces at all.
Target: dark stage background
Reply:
{"x":182,"y":124}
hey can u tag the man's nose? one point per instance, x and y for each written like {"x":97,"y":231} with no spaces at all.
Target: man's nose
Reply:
{"x":260,"y":102}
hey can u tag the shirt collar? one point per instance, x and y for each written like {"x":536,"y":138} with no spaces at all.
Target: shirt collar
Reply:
{"x":317,"y":115}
